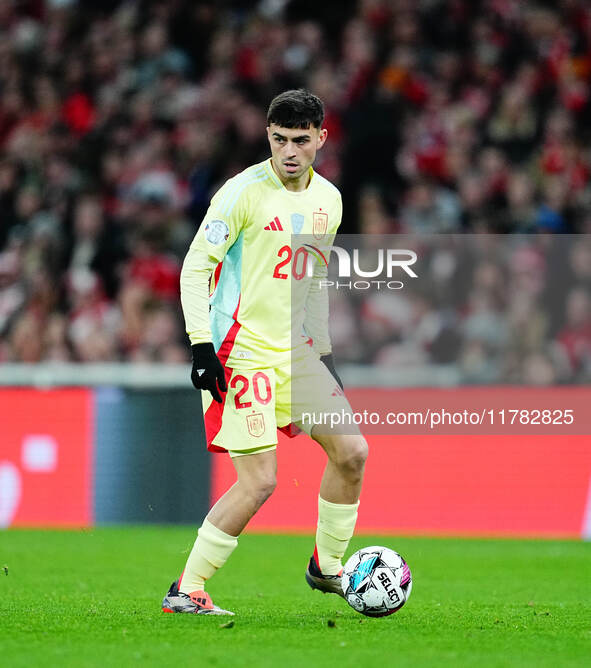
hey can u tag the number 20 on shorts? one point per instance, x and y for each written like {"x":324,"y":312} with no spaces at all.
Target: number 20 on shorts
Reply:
{"x":261,"y":389}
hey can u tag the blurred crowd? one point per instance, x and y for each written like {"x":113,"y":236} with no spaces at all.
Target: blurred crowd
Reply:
{"x":119,"y":119}
{"x":506,"y":309}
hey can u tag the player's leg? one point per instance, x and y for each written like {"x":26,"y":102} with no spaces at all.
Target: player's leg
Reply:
{"x":218,"y":536}
{"x":343,"y":475}
{"x":338,"y":499}
{"x":314,"y":391}
{"x":256,"y":480}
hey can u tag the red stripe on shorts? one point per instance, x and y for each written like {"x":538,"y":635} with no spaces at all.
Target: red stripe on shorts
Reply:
{"x":213,"y":415}
{"x":291,"y":430}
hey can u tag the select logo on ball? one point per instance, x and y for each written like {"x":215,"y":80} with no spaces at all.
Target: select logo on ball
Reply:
{"x":376,"y":581}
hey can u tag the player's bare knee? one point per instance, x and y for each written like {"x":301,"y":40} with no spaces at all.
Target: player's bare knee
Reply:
{"x":353,"y":464}
{"x":349,"y":455}
{"x":260,"y":488}
{"x":266,"y":488}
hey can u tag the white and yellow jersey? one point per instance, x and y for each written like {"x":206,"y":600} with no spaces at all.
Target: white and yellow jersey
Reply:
{"x":263,"y":297}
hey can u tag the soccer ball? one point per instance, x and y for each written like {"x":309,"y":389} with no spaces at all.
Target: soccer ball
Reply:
{"x":376,"y":581}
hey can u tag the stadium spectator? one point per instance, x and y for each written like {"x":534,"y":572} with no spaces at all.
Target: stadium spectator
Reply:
{"x":119,"y":119}
{"x":575,"y":336}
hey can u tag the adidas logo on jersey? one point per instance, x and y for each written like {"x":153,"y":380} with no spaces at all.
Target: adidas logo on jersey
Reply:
{"x":274,"y":225}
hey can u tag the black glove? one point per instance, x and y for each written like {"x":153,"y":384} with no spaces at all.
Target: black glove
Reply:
{"x":328,"y":362}
{"x":208,"y":372}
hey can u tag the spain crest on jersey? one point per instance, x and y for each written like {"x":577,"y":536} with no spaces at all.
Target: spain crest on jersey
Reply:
{"x":319,"y":224}
{"x":255,"y":424}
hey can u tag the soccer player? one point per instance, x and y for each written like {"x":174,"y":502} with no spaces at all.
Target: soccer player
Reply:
{"x":257,"y":319}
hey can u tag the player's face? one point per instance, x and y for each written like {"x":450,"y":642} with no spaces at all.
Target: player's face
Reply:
{"x":293,"y":150}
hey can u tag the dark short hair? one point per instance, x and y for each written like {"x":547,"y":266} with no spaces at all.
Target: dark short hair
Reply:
{"x":296,"y":109}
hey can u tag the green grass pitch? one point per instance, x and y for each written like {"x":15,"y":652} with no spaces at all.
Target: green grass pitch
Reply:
{"x":92,"y":598}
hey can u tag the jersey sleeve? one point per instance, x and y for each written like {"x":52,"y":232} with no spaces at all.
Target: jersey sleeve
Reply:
{"x":317,"y":307}
{"x":218,"y":232}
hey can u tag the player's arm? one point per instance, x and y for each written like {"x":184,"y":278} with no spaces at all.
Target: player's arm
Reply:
{"x":316,"y":320}
{"x":317,"y":307}
{"x":217,"y":233}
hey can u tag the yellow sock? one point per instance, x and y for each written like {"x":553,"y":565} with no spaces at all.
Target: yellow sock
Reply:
{"x":212,"y":549}
{"x":336,"y":523}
